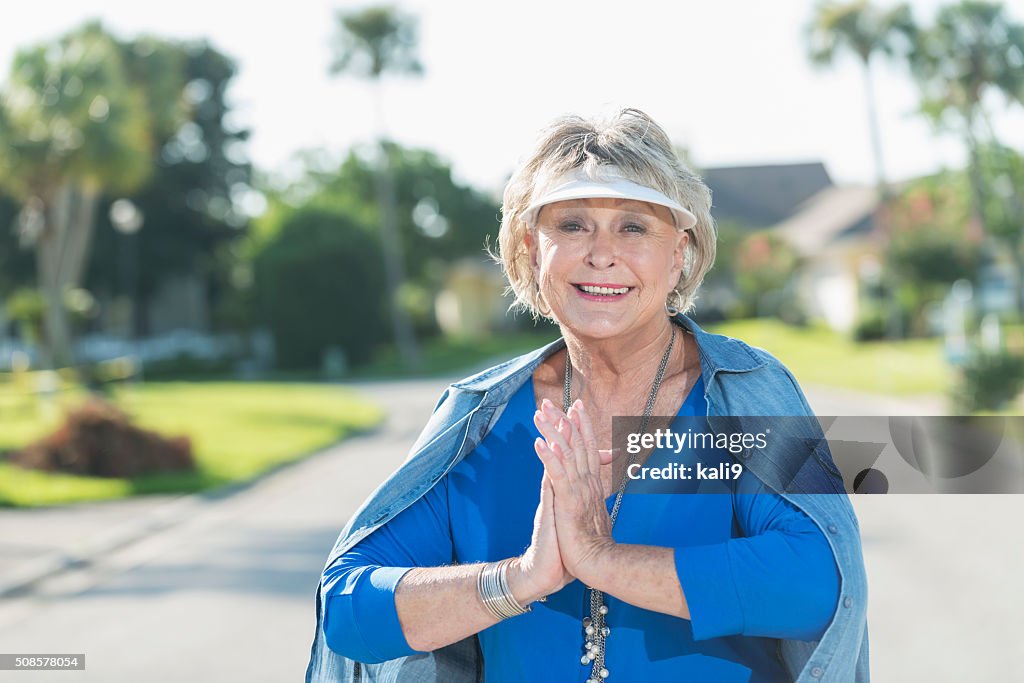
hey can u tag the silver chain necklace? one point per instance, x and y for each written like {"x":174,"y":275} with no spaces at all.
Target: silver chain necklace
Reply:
{"x":595,"y":629}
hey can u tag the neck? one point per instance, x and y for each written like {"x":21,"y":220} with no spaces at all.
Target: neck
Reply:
{"x":602,"y":365}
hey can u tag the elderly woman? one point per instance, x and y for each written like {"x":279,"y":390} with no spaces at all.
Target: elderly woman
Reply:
{"x":504,"y":549}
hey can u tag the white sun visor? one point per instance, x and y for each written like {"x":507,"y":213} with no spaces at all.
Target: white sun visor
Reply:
{"x":578,"y":185}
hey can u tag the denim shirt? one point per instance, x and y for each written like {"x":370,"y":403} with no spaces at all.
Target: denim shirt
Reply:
{"x":739,"y":381}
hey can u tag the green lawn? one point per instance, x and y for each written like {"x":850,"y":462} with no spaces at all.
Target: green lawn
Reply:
{"x":820,"y":356}
{"x":816,"y":355}
{"x":238,"y":430}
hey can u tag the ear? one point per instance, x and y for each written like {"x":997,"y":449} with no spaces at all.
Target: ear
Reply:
{"x":679,"y":254}
{"x":530,"y":240}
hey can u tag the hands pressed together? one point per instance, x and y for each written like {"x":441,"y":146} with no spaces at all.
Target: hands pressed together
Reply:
{"x":572,"y":531}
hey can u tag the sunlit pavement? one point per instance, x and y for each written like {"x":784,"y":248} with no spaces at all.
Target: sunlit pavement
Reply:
{"x":227,"y":594}
{"x":946,"y":600}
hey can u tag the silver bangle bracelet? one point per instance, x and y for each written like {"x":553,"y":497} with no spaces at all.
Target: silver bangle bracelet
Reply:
{"x":492,"y":588}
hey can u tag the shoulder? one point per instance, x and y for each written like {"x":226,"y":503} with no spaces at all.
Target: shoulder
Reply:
{"x":758,"y":373}
{"x":732,"y":354}
{"x":510,"y":370}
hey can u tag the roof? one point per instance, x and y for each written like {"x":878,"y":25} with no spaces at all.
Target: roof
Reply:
{"x":833,"y":214}
{"x":760,"y":196}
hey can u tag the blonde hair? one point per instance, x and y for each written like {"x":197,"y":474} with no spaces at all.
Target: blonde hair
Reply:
{"x":643,"y":153}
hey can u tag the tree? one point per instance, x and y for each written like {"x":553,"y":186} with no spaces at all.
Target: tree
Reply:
{"x":972,"y":52}
{"x":864,"y":30}
{"x":191,"y":200}
{"x":930,"y":246}
{"x":15,"y":259}
{"x":438,"y":220}
{"x":370,"y":43}
{"x":317,"y":287}
{"x":291,"y":245}
{"x":71,"y":128}
{"x":765,"y":267}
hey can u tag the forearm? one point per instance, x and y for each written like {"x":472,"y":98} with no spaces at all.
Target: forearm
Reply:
{"x":642,"y":575}
{"x":438,"y":606}
{"x":759,"y":586}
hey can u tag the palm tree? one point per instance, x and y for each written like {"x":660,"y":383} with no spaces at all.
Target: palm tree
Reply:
{"x":370,"y":43}
{"x":864,"y":30}
{"x":71,"y":129}
{"x":972,"y":52}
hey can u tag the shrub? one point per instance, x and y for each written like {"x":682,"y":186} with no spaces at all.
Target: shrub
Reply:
{"x":765,"y":265}
{"x":990,"y":381}
{"x":184,"y":365}
{"x":97,"y":439}
{"x":871,"y":325}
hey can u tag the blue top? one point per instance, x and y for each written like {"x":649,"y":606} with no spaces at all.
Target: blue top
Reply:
{"x":753,"y":568}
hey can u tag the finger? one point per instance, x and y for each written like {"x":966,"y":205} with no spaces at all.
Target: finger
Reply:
{"x":547,"y":495}
{"x":585,"y":427}
{"x":553,"y":466}
{"x":590,"y":439}
{"x":547,"y":423}
{"x":570,"y":458}
{"x":545,"y":511}
{"x":585,"y":464}
{"x":552,"y":412}
{"x":549,"y":428}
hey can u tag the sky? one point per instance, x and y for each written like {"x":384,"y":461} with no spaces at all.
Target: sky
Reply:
{"x":729,"y":80}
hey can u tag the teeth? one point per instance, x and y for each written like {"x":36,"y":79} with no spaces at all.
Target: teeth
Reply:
{"x":607,"y":291}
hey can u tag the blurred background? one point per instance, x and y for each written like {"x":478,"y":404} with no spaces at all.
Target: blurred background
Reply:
{"x":232,"y":236}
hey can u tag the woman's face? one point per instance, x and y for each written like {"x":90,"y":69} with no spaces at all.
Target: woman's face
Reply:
{"x":629,"y":247}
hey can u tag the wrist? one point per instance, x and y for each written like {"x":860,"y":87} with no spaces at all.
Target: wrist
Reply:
{"x":495,"y":593}
{"x":598,"y":565}
{"x":524,"y":590}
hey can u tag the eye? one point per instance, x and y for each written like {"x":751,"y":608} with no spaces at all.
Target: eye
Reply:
{"x":570,"y":226}
{"x":635,"y":228}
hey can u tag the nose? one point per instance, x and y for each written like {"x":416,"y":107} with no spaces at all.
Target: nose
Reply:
{"x":601,"y":254}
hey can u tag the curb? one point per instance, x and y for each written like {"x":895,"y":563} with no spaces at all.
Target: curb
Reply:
{"x":20,"y":580}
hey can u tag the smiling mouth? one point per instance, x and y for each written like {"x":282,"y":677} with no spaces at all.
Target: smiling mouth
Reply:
{"x":600,"y":291}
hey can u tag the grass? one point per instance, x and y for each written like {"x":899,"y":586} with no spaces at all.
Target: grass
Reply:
{"x":238,"y":431}
{"x":817,"y":355}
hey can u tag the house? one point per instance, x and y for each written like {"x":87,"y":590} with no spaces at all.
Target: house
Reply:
{"x":831,"y":226}
{"x":761,"y":196}
{"x":834,"y":232}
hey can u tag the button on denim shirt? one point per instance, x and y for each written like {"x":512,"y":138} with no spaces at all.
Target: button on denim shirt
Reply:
{"x":739,"y":381}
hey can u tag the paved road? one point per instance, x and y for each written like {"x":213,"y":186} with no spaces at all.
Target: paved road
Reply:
{"x":946,"y":602}
{"x":227,"y":595}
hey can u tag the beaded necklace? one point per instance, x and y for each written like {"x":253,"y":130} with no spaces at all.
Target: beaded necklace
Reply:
{"x":595,"y":629}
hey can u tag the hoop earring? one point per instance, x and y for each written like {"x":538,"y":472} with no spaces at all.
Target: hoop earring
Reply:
{"x":672,"y":308}
{"x":540,"y":300}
